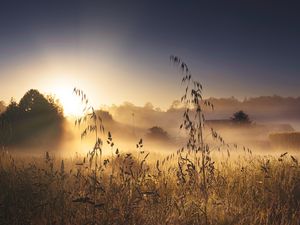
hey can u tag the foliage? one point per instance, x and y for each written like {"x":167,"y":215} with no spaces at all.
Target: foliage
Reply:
{"x":30,"y":117}
{"x":158,"y":133}
{"x":241,"y":118}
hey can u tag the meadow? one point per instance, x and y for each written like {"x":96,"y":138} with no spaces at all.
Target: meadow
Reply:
{"x":198,"y":183}
{"x":129,"y":189}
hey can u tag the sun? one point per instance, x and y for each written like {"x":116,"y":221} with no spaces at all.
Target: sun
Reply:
{"x":71,"y":104}
{"x":61,"y":87}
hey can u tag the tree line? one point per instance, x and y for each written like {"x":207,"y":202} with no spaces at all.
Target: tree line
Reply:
{"x":31,"y":117}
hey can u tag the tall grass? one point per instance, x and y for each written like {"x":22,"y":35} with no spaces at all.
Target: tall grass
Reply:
{"x":249,"y":190}
{"x":194,"y":185}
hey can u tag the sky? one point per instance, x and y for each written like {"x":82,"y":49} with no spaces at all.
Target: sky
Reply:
{"x":119,"y":51}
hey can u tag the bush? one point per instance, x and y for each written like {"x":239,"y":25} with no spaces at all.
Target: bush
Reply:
{"x":241,"y":118}
{"x":157,"y":133}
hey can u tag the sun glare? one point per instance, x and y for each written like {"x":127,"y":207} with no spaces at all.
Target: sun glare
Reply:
{"x":70,"y":103}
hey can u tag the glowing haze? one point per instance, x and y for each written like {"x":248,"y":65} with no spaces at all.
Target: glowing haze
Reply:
{"x":119,"y":52}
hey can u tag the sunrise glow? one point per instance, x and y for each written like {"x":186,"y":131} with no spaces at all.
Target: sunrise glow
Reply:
{"x":70,"y":103}
{"x":145,"y":112}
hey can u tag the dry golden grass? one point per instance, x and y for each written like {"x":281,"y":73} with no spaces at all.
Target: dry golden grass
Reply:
{"x":246,"y":190}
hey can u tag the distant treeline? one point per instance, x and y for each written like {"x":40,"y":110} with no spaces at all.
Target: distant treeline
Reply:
{"x":260,"y":109}
{"x":263,"y":107}
{"x":29,"y":119}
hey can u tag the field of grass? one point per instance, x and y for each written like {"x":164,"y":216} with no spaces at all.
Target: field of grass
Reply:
{"x":129,"y":189}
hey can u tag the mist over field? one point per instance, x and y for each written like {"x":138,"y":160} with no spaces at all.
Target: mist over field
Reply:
{"x":128,"y":123}
{"x":111,"y":160}
{"x":269,"y":114}
{"x":149,"y":112}
{"x":128,"y":164}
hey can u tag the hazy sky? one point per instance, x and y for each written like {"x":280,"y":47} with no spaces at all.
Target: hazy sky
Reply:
{"x":119,"y":51}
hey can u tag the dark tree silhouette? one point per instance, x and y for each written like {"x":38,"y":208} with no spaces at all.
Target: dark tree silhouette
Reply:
{"x":158,"y":133}
{"x":241,"y":118}
{"x":34,"y":114}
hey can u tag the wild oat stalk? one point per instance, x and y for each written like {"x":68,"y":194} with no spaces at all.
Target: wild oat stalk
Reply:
{"x":94,"y":125}
{"x":193,"y":123}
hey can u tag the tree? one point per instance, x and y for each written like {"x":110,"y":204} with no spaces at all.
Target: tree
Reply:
{"x":33,"y":103}
{"x":158,"y":133}
{"x":34,"y":114}
{"x":241,"y":118}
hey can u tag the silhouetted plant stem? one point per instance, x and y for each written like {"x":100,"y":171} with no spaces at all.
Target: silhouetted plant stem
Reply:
{"x":192,"y":100}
